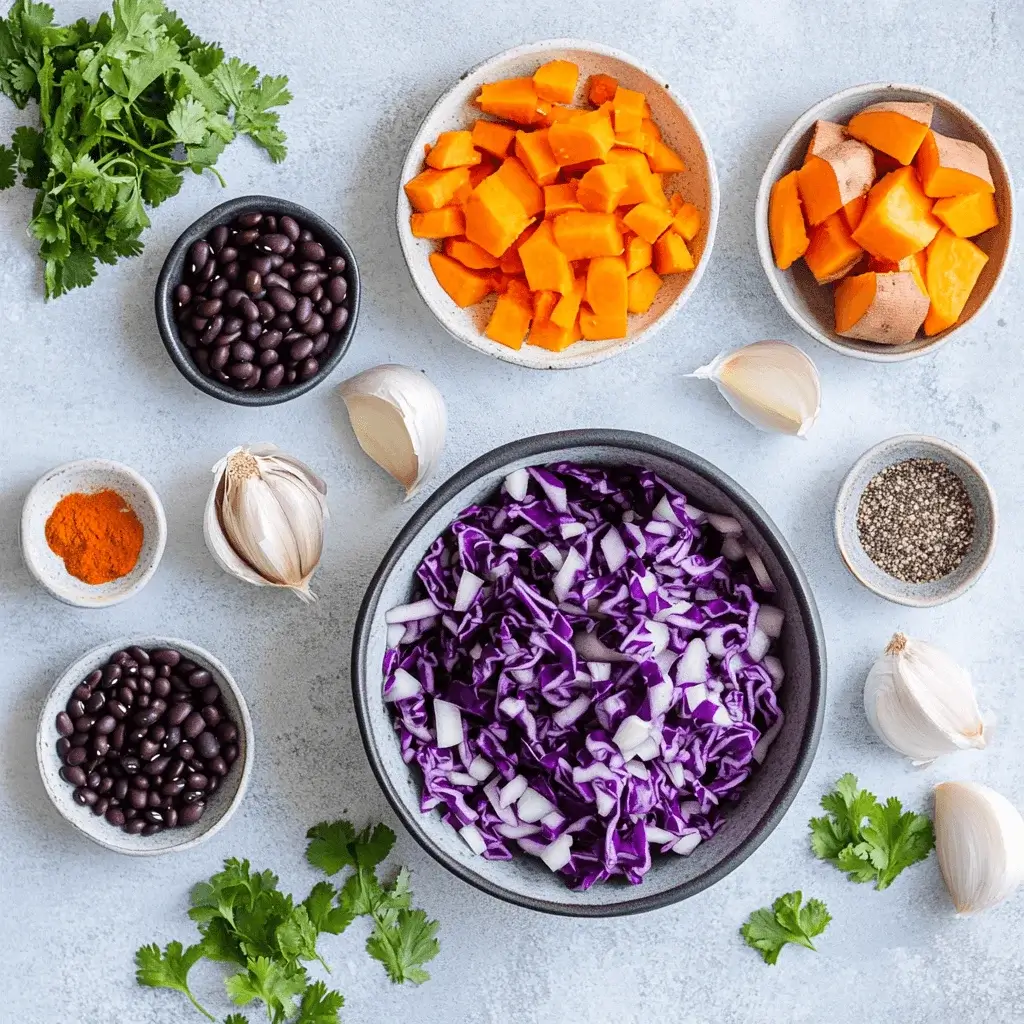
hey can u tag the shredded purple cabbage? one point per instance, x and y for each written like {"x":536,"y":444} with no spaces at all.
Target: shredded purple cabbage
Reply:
{"x":599,"y":652}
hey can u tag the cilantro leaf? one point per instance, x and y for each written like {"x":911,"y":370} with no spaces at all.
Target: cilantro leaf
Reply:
{"x":251,"y":99}
{"x":236,"y":1018}
{"x":869,"y":841}
{"x":405,"y":945}
{"x":331,"y":846}
{"x":169,"y":969}
{"x":296,"y":936}
{"x":188,"y":120}
{"x":276,"y":984}
{"x":8,"y":161}
{"x":324,"y":916}
{"x":768,"y":930}
{"x":319,"y":1005}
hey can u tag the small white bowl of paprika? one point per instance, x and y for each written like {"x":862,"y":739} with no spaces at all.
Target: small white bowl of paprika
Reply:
{"x":92,"y":532}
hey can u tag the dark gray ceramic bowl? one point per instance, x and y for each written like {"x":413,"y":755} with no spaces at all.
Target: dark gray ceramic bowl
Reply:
{"x":526,"y":881}
{"x":170,"y":278}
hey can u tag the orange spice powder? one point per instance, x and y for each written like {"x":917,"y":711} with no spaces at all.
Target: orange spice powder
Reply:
{"x":98,"y":536}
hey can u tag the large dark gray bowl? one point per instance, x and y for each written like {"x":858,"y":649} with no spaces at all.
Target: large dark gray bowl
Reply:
{"x":170,"y":278}
{"x":526,"y":881}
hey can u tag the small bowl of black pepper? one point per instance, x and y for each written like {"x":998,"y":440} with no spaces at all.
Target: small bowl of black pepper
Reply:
{"x":257,"y":301}
{"x":145,"y":745}
{"x":916,"y":521}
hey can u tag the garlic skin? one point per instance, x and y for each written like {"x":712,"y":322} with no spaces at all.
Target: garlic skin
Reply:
{"x":979,"y":842}
{"x":771,"y":384}
{"x":264,"y":518}
{"x":921,"y":702}
{"x":399,"y":419}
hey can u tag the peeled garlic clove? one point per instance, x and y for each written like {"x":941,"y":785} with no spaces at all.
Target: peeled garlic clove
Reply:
{"x":979,"y":841}
{"x":399,"y":419}
{"x":921,"y":702}
{"x":772,"y":384}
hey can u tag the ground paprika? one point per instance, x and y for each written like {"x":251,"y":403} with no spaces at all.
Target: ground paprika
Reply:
{"x":98,"y":535}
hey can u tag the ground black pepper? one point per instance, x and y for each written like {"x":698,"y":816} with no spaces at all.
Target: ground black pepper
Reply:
{"x":915,"y":520}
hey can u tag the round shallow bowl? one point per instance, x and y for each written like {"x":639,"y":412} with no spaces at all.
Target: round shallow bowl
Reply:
{"x":525,"y":881}
{"x":986,"y":519}
{"x":219,"y":807}
{"x":170,"y":278}
{"x":809,"y":304}
{"x":698,"y":185}
{"x":88,"y":476}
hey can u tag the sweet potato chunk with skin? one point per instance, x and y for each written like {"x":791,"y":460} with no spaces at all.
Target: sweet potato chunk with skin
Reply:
{"x":967,"y":215}
{"x":443,"y":223}
{"x":465,"y":287}
{"x":568,"y":307}
{"x":601,"y":89}
{"x":495,"y":217}
{"x":556,"y":81}
{"x":469,"y":254}
{"x":952,"y":270}
{"x":952,"y":167}
{"x":914,"y":265}
{"x":517,"y":179}
{"x":648,"y":221}
{"x":453,"y":149}
{"x":825,"y":135}
{"x":898,"y":219}
{"x":642,"y":288}
{"x":513,"y":99}
{"x":664,"y":160}
{"x":583,"y":137}
{"x":607,"y":285}
{"x":884,"y":308}
{"x":546,"y":266}
{"x":786,"y":226}
{"x":638,"y":254}
{"x":831,"y":252}
{"x":431,"y":189}
{"x":829,"y":181}
{"x":493,"y":138}
{"x":582,"y":236}
{"x":601,"y":188}
{"x":535,"y":154}
{"x":671,"y":255}
{"x":894,"y":128}
{"x":512,"y":315}
{"x":598,"y":327}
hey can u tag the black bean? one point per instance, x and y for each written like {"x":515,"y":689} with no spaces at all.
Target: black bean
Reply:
{"x":337,"y":289}
{"x":209,"y":308}
{"x":130,"y":764}
{"x":312,"y":251}
{"x":78,"y":739}
{"x":183,"y":294}
{"x":253,"y":282}
{"x":219,"y":356}
{"x":287,"y":270}
{"x":115,"y":816}
{"x":95,"y":702}
{"x":170,"y":739}
{"x":207,"y":272}
{"x":117,"y":737}
{"x":240,"y":371}
{"x":282,"y":299}
{"x":338,"y":319}
{"x":173,"y":787}
{"x":324,"y":307}
{"x":320,"y":343}
{"x":308,"y":368}
{"x":212,"y":330}
{"x":251,"y":381}
{"x":106,"y":783}
{"x":217,"y":287}
{"x":63,"y":746}
{"x":142,"y":700}
{"x":93,"y":780}
{"x":145,"y":718}
{"x":274,"y":242}
{"x":211,"y":715}
{"x":298,"y":350}
{"x":192,"y":813}
{"x":106,"y":725}
{"x":317,"y":294}
{"x":273,"y":377}
{"x":84,"y":796}
{"x":186,"y":751}
{"x":246,"y":236}
{"x":100,"y":746}
{"x":249,"y":220}
{"x":157,"y":766}
{"x":232,"y":270}
{"x":200,"y":253}
{"x":165,"y":656}
{"x":233,"y":325}
{"x":193,"y":725}
{"x":73,"y":774}
{"x":289,"y":377}
{"x":282,"y":322}
{"x":230,"y":752}
{"x":249,"y":309}
{"x":228,"y":254}
{"x":242,"y":352}
{"x":189,"y":337}
{"x":217,"y":237}
{"x":233,"y":297}
{"x":197,"y":780}
{"x":207,"y":745}
{"x":266,"y":310}
{"x":84,"y":723}
{"x":314,"y":325}
{"x":261,"y":265}
{"x":289,"y":227}
{"x":152,"y":828}
{"x":268,"y":358}
{"x":161,"y":687}
{"x":148,"y":749}
{"x":303,"y":310}
{"x":148,"y":672}
{"x":304,"y":283}
{"x":116,"y":708}
{"x":75,"y":708}
{"x":227,"y":732}
{"x":209,"y":694}
{"x":153,"y":797}
{"x":64,"y":726}
{"x":170,"y":817}
{"x":178,"y":713}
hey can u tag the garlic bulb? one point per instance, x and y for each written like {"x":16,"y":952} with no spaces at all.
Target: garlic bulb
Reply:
{"x":771,"y":384}
{"x":921,"y":702}
{"x":399,"y":419}
{"x":979,"y":840}
{"x":264,"y":519}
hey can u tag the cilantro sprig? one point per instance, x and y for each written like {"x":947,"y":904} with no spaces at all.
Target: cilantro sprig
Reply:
{"x":870,"y":841}
{"x":126,"y":105}
{"x":244,"y":920}
{"x":769,"y":929}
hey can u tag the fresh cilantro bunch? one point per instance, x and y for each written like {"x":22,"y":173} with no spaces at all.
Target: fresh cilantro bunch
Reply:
{"x":768,"y":930}
{"x":246,"y":921}
{"x":870,"y":841}
{"x":126,"y":106}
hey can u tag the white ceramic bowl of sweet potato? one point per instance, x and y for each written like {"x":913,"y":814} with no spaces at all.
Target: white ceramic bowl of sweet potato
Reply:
{"x":810,"y":304}
{"x":698,"y":185}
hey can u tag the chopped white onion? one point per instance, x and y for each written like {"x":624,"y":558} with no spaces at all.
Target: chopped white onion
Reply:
{"x":403,"y":686}
{"x":774,"y":668}
{"x":660,"y":697}
{"x":664,"y":511}
{"x":424,"y":609}
{"x":703,"y":594}
{"x":469,"y":587}
{"x":517,"y":831}
{"x":715,"y":643}
{"x":566,"y":576}
{"x":394,"y":634}
{"x":480,"y":768}
{"x":724,"y":524}
{"x":770,"y":620}
{"x":613,"y":549}
{"x":679,"y":608}
{"x":760,"y":571}
{"x":557,"y":855}
{"x":474,"y":840}
{"x":461,"y":779}
{"x":555,"y":494}
{"x":552,"y":554}
{"x":570,"y":530}
{"x":732,"y":549}
{"x":600,"y":671}
{"x":692,"y":667}
{"x":512,"y":790}
{"x":687,"y":844}
{"x":567,"y":715}
{"x":448,"y":723}
{"x":513,"y":543}
{"x":553,"y":820}
{"x":631,"y":733}
{"x":648,"y":750}
{"x":698,"y":515}
{"x":695,"y":695}
{"x":638,"y":770}
{"x":491,"y":791}
{"x":532,"y":806}
{"x":659,"y":835}
{"x":762,"y":745}
{"x":758,"y":644}
{"x":517,"y":483}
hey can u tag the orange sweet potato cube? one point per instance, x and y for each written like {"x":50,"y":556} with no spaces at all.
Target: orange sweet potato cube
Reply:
{"x":601,"y":188}
{"x":642,"y":288}
{"x":671,"y":255}
{"x":465,"y":287}
{"x":628,"y":109}
{"x":556,"y":81}
{"x":641,"y":185}
{"x":596,"y":327}
{"x":512,"y":315}
{"x":586,"y":136}
{"x":567,"y":308}
{"x":514,"y":99}
{"x":664,"y":160}
{"x":469,"y":254}
{"x":584,"y":235}
{"x":431,"y":189}
{"x":560,"y":198}
{"x":453,"y":149}
{"x":648,"y":221}
{"x":607,"y":286}
{"x":546,"y":266}
{"x":495,"y":217}
{"x":535,"y":154}
{"x":517,"y":179}
{"x":493,"y":138}
{"x":443,"y":223}
{"x":601,"y":88}
{"x":638,"y":254}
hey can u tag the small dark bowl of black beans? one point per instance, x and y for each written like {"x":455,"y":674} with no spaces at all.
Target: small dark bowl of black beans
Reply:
{"x":145,"y":745}
{"x":257,"y":301}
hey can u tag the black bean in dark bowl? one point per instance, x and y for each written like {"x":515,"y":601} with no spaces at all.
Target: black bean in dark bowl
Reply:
{"x":157,"y":769}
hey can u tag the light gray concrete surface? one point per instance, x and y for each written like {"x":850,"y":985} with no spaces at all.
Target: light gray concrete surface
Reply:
{"x":87,"y":375}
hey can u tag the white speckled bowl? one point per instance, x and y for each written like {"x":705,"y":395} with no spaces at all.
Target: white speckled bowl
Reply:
{"x":698,"y":184}
{"x":986,"y":520}
{"x":809,"y":304}
{"x":88,"y":476}
{"x":220,"y":807}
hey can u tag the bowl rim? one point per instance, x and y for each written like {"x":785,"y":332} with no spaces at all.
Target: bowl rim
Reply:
{"x":76,"y":670}
{"x":633,"y":443}
{"x":781,"y":151}
{"x":28,"y":521}
{"x":844,"y":507}
{"x":583,"y":358}
{"x":162,"y":299}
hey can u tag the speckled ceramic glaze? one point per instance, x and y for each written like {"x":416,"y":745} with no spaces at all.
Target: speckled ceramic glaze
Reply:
{"x":88,"y":476}
{"x":680,"y":130}
{"x":219,"y":807}
{"x":525,"y":880}
{"x":983,"y":498}
{"x":809,"y":304}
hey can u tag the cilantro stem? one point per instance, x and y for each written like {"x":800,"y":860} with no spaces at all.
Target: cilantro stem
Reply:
{"x":142,"y":149}
{"x":206,"y":1013}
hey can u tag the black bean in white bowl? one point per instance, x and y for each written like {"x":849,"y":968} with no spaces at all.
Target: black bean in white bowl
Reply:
{"x":145,"y":745}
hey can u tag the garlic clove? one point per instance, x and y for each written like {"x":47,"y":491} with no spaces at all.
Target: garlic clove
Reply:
{"x":220,"y":547}
{"x":771,"y":384}
{"x":921,"y":703}
{"x":979,"y":842}
{"x":399,"y":419}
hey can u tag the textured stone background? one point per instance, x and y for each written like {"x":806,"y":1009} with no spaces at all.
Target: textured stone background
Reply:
{"x":87,"y":375}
